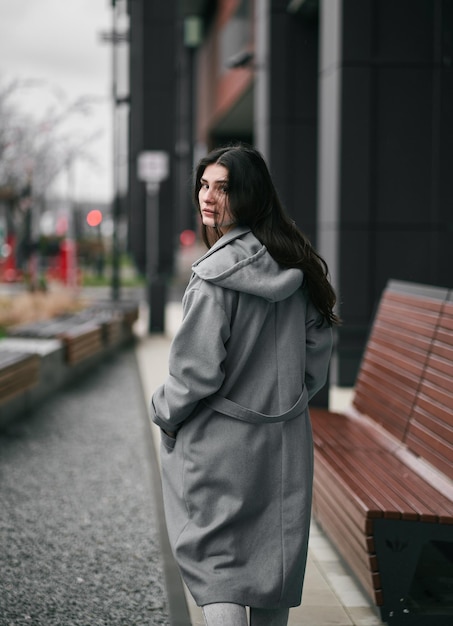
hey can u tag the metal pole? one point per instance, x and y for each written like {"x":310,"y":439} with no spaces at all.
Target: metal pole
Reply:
{"x":156,"y":285}
{"x":116,"y":199}
{"x":261,"y":93}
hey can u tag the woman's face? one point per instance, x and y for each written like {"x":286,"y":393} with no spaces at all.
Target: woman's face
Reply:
{"x":213,"y":198}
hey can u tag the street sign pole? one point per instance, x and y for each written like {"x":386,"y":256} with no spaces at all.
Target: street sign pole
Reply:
{"x":152,"y":168}
{"x":155,"y":282}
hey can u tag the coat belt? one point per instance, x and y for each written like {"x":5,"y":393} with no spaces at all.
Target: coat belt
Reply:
{"x":232,"y":409}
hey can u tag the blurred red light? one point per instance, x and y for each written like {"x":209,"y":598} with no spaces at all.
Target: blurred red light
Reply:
{"x":187,"y":237}
{"x":94,"y":217}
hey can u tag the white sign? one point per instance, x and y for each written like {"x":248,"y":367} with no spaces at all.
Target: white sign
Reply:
{"x":152,"y":166}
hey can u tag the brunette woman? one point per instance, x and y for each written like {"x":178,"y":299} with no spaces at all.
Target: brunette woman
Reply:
{"x":253,"y":348}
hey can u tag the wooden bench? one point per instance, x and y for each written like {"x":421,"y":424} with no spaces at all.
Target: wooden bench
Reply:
{"x":115,"y":317}
{"x":86,"y":334}
{"x":82,"y":339}
{"x":383,"y":487}
{"x":19,"y":372}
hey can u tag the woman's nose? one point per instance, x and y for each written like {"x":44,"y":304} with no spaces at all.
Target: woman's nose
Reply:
{"x":209,"y":195}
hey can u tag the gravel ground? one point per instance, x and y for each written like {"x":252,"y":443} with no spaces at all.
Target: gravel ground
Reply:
{"x":78,"y":533}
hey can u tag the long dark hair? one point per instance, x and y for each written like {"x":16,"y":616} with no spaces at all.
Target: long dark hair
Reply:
{"x":253,"y":202}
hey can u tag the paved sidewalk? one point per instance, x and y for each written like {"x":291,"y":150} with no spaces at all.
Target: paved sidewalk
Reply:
{"x":331,"y":596}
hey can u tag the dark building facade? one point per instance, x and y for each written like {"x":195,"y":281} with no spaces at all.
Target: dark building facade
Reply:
{"x":349,"y":100}
{"x":386,"y":149}
{"x":153,"y":106}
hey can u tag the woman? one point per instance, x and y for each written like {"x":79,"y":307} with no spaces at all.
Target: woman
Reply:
{"x":253,"y":348}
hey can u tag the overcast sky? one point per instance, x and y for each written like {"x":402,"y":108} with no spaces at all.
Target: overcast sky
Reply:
{"x":58,"y":42}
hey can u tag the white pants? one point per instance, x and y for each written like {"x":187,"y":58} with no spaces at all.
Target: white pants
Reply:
{"x":228,"y":614}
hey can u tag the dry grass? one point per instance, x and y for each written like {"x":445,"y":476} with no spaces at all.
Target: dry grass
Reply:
{"x":27,"y":307}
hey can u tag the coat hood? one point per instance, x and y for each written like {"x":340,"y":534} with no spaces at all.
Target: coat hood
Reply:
{"x":240,"y":262}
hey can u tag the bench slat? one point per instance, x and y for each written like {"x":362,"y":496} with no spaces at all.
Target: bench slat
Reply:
{"x":364,"y":565}
{"x":394,"y":417}
{"x":440,"y":365}
{"x":430,"y":432}
{"x":397,"y":479}
{"x":430,"y":303}
{"x":391,"y":504}
{"x":344,"y":514}
{"x":395,"y":357}
{"x":337,"y":429}
{"x":401,"y":384}
{"x":406,"y":495}
{"x":357,"y":507}
{"x":366,"y":501}
{"x":410,"y":361}
{"x":405,"y":342}
{"x":421,"y":442}
{"x":18,"y":372}
{"x":427,"y":493}
{"x":395,"y":505}
{"x":412,"y":304}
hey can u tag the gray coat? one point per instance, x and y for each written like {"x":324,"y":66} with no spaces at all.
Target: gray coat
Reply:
{"x":237,"y":479}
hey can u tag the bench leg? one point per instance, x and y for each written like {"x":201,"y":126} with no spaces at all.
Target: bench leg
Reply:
{"x":415,"y":562}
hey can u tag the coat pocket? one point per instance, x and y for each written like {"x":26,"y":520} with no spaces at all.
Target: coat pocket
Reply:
{"x":167,"y":441}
